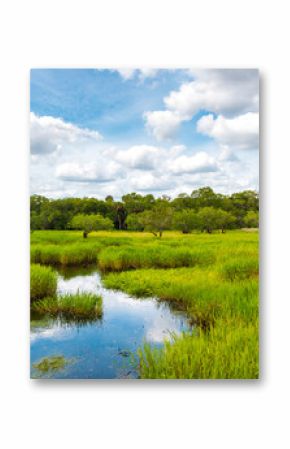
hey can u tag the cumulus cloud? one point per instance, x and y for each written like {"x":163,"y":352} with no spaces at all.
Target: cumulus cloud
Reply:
{"x":228,"y":92}
{"x":225,"y":92}
{"x":162,"y":124}
{"x":150,"y":182}
{"x":200,"y":162}
{"x":49,"y":134}
{"x":87,"y":172}
{"x":143,"y":157}
{"x":241,"y":132}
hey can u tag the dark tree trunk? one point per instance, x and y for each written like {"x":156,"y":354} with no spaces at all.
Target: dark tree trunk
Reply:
{"x":85,"y":234}
{"x":160,"y":234}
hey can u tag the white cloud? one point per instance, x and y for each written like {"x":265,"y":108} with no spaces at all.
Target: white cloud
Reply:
{"x":241,"y":132}
{"x":49,"y":134}
{"x":227,"y":155}
{"x":87,"y":172}
{"x":150,"y":182}
{"x":126,"y":73}
{"x":226,"y":92}
{"x":129,"y":73}
{"x":198,"y":163}
{"x":143,"y":157}
{"x":162,"y":124}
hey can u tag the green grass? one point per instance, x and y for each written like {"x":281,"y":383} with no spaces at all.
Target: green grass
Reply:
{"x":201,"y":293}
{"x":78,"y":306}
{"x":213,"y":278}
{"x":43,"y":282}
{"x":153,"y":255}
{"x":221,"y":299}
{"x":227,"y":351}
{"x":49,"y":365}
{"x":68,"y":254}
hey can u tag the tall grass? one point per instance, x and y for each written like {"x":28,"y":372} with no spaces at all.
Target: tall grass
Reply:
{"x":43,"y":282}
{"x":72,"y":254}
{"x":158,"y":256}
{"x":227,"y":351}
{"x":201,"y":293}
{"x":212,"y":277}
{"x":76,"y":306}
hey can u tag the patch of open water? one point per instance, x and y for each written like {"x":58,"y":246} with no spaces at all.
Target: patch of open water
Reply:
{"x":105,"y":348}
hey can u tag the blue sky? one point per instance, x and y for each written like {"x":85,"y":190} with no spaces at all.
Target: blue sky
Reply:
{"x":100,"y":131}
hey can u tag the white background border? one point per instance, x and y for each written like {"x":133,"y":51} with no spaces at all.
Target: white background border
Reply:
{"x":139,"y":414}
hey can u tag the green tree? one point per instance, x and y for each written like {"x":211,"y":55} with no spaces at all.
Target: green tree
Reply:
{"x":251,"y":219}
{"x":211,"y":218}
{"x":89,"y":223}
{"x":225,"y":220}
{"x":185,"y":220}
{"x":133,"y":222}
{"x":158,"y":219}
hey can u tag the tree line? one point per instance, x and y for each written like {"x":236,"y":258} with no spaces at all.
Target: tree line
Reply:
{"x":202,"y":210}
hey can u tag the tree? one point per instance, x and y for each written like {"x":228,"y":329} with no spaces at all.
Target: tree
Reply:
{"x":89,"y":223}
{"x":251,"y":219}
{"x":225,"y":220}
{"x":211,"y":218}
{"x":158,"y":219}
{"x":133,"y":223}
{"x":185,"y":220}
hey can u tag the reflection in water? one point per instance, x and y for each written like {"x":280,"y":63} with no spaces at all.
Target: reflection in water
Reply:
{"x":103,"y":348}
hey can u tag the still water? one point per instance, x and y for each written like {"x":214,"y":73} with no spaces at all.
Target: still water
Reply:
{"x":105,"y":348}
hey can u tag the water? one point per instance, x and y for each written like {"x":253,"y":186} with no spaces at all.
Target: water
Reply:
{"x":106,"y":348}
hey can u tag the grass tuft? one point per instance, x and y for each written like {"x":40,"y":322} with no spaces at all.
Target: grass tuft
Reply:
{"x":43,"y":282}
{"x":78,"y":306}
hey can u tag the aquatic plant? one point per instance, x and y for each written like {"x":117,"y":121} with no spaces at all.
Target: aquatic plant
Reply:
{"x":49,"y":365}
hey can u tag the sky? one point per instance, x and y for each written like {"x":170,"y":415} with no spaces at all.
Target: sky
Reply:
{"x":99,"y":132}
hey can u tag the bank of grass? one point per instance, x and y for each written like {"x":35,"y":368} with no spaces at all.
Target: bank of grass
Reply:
{"x":226,"y":351}
{"x":43,"y":282}
{"x":153,"y":255}
{"x":201,"y":293}
{"x":78,"y":306}
{"x":68,"y":254}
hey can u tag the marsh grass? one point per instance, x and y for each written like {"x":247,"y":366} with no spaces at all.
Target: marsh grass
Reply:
{"x":157,"y":256}
{"x":43,"y":282}
{"x":211,"y":277}
{"x":227,"y":351}
{"x":78,"y":306}
{"x":69,"y":254}
{"x":50,"y":365}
